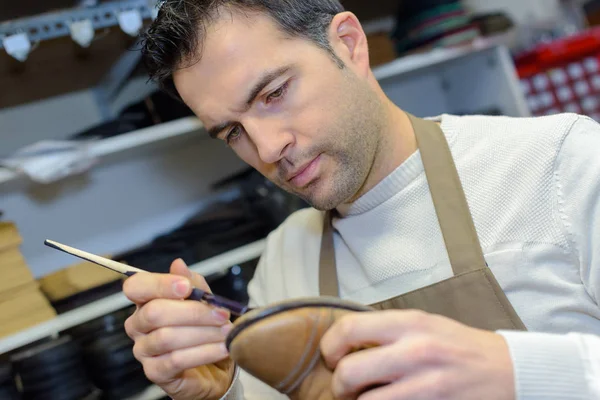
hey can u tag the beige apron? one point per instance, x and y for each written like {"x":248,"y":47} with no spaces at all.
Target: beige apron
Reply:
{"x":279,"y":343}
{"x":472,"y":296}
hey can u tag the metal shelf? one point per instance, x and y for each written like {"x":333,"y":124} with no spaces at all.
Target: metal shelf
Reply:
{"x":56,"y":24}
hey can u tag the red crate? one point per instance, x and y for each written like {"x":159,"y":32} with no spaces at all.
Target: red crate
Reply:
{"x":563,"y":75}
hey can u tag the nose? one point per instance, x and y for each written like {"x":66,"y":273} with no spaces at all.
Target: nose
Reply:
{"x":270,"y":138}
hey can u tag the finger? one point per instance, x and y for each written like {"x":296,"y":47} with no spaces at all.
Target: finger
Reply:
{"x":144,"y":287}
{"x":162,"y":313}
{"x":165,"y":368}
{"x":404,"y":358}
{"x":367,"y":329}
{"x":166,"y":340}
{"x":178,"y":267}
{"x":366,"y":368}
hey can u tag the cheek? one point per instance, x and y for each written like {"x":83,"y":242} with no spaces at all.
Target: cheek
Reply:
{"x":318,"y":111}
{"x":246,"y":150}
{"x":310,"y":121}
{"x":316,"y":128}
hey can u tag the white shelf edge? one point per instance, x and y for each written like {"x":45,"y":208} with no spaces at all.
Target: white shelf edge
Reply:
{"x":118,"y":300}
{"x":415,"y":62}
{"x":128,"y":141}
{"x":228,"y":259}
{"x":141,"y":137}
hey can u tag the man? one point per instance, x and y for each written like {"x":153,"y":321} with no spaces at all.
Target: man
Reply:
{"x":288,"y":86}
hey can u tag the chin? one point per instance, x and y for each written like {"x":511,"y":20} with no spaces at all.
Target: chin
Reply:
{"x":319,"y":195}
{"x":320,"y":206}
{"x":321,"y":203}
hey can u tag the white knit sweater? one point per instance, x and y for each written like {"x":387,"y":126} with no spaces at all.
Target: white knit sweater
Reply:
{"x":533,"y":187}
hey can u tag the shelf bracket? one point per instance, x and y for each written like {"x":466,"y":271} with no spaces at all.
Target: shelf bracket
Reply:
{"x":56,"y":24}
{"x":110,"y":86}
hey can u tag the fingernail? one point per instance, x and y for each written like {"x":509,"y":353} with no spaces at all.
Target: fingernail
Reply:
{"x":181,"y":287}
{"x":220,"y":314}
{"x":227,"y":328}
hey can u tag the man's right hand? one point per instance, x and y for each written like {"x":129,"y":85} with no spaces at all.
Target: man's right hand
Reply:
{"x":181,"y":344}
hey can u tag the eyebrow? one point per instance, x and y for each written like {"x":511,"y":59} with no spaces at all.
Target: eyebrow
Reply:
{"x":263,"y":82}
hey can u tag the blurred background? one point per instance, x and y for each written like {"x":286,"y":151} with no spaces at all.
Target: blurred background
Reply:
{"x":92,"y":155}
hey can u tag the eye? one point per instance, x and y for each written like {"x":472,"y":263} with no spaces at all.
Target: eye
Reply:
{"x":277,"y":94}
{"x":234,"y":134}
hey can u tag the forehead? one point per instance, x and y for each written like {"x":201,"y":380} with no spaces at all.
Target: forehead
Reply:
{"x":237,"y":48}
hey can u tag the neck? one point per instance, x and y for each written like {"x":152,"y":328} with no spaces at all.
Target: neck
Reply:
{"x":397,"y":144}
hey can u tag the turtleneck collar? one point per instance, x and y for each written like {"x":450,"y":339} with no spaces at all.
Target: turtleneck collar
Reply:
{"x":397,"y":180}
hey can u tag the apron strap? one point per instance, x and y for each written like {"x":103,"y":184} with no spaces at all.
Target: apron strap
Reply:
{"x":328,"y":280}
{"x":454,"y":217}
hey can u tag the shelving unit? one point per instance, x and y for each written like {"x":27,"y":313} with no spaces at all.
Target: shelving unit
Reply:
{"x":462,"y":80}
{"x":418,"y":62}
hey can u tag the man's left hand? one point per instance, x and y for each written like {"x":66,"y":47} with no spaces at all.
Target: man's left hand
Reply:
{"x":415,"y":355}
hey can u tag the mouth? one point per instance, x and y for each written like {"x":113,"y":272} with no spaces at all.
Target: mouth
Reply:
{"x":305,"y":174}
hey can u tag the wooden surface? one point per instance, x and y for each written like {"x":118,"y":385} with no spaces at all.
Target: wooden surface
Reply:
{"x":76,"y":279}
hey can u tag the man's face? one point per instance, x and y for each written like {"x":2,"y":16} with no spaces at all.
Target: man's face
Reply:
{"x":286,"y":108}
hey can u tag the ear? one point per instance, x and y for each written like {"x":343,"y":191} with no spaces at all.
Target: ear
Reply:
{"x":350,"y":41}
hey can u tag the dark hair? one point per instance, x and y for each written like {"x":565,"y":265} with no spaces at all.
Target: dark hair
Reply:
{"x":176,"y":34}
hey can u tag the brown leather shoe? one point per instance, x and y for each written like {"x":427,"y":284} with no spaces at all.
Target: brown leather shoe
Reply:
{"x":279,"y":344}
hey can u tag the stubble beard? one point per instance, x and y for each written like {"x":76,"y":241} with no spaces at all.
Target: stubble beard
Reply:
{"x":350,"y":154}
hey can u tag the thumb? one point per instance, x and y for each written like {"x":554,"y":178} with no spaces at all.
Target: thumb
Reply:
{"x":179,"y":267}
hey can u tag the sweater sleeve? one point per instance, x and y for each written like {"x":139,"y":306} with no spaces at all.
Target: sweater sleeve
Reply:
{"x":567,"y":366}
{"x":578,"y":190}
